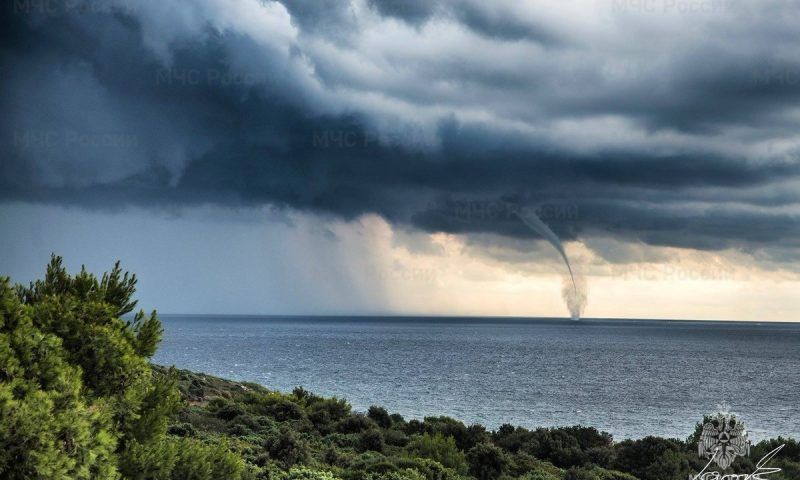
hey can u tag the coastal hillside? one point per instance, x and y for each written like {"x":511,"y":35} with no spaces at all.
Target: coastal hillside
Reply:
{"x":80,"y":399}
{"x":300,"y":435}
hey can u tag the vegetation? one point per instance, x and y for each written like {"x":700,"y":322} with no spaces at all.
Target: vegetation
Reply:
{"x":80,"y":399}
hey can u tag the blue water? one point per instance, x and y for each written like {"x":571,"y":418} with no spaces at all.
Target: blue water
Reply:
{"x":629,"y":378}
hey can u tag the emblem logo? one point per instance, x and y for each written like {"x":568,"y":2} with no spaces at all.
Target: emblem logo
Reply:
{"x":723,"y":438}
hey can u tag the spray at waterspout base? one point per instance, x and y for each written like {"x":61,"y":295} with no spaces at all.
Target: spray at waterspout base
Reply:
{"x":574,"y":290}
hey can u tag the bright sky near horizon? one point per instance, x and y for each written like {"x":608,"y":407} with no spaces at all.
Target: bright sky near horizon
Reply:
{"x":261,"y":262}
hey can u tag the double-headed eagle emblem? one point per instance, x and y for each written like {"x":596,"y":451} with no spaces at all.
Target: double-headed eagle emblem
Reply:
{"x":723,"y":438}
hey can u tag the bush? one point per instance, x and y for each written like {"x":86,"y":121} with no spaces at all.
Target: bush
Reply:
{"x":355,"y":424}
{"x":439,"y":448}
{"x":395,"y":438}
{"x":342,"y":440}
{"x":486,"y":461}
{"x":405,"y":474}
{"x":558,"y":446}
{"x":790,"y":450}
{"x":540,"y":476}
{"x":277,"y":406}
{"x":305,"y":397}
{"x":520,"y":463}
{"x":327,"y":411}
{"x":430,"y":469}
{"x":198,"y":461}
{"x":450,"y":428}
{"x":287,"y":448}
{"x":182,"y":430}
{"x":510,"y":438}
{"x":588,"y":437}
{"x":380,"y":416}
{"x":652,"y":458}
{"x":367,"y":463}
{"x":305,"y":473}
{"x":398,"y":420}
{"x":371,"y":440}
{"x":229,"y":411}
{"x":580,"y":474}
{"x":597,"y":473}
{"x":544,"y":471}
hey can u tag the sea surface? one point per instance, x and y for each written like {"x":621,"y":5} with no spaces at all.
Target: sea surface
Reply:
{"x":630,"y":378}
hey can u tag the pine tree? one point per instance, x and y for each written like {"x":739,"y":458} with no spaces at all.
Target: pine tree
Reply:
{"x":78,"y":396}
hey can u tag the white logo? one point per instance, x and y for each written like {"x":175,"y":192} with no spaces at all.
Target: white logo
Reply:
{"x":723,"y":438}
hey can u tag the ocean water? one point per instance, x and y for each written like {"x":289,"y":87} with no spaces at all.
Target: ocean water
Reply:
{"x":629,"y":378}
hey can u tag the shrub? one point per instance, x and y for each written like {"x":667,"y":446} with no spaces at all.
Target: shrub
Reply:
{"x":541,"y":475}
{"x":329,"y":410}
{"x":355,"y":424}
{"x":439,"y":448}
{"x":371,"y":440}
{"x":520,"y":463}
{"x":651,"y":458}
{"x":405,"y":474}
{"x":199,"y":461}
{"x":287,"y":448}
{"x":277,"y":406}
{"x":558,"y":446}
{"x":398,"y":420}
{"x":342,"y":440}
{"x":395,"y":438}
{"x":543,"y":471}
{"x":450,"y":428}
{"x":510,"y":438}
{"x":305,"y":473}
{"x":587,"y":437}
{"x":229,"y":411}
{"x":380,"y":416}
{"x":182,"y":430}
{"x":305,"y":397}
{"x":369,"y":462}
{"x":430,"y":469}
{"x":580,"y":474}
{"x":597,"y":473}
{"x":486,"y":461}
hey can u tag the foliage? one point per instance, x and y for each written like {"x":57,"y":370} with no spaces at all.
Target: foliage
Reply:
{"x":305,"y":473}
{"x":78,"y":397}
{"x":439,"y":448}
{"x":380,"y":416}
{"x":486,"y":461}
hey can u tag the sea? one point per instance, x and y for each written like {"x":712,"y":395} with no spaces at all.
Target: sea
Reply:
{"x":630,"y":378}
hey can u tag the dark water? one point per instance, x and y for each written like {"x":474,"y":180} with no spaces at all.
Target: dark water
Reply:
{"x":630,"y":378}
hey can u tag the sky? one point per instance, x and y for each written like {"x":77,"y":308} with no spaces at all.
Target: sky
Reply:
{"x":371,"y":156}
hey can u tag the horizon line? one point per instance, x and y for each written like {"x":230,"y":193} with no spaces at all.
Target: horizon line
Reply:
{"x":468,"y":317}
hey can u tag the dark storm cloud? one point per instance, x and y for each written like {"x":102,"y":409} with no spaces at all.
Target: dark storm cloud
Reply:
{"x":94,"y":115}
{"x":331,"y":17}
{"x":477,"y":16}
{"x":411,"y":11}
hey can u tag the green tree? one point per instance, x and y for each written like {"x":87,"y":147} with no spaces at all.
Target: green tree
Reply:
{"x":652,"y":458}
{"x":371,"y":440}
{"x":380,"y":416}
{"x":486,"y":461}
{"x":440,"y":448}
{"x":78,"y":396}
{"x":287,"y":448}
